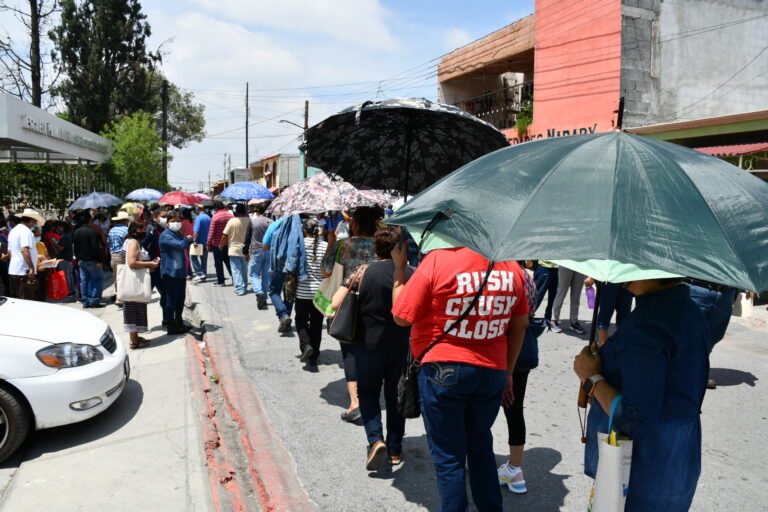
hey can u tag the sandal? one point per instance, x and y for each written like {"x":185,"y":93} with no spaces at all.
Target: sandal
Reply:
{"x":141,"y":343}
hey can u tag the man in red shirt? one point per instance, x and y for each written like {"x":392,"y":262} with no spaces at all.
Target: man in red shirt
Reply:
{"x":215,"y":232}
{"x":464,"y":377}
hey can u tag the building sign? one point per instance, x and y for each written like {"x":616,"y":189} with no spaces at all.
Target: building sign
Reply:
{"x":60,"y":133}
{"x":550,"y":133}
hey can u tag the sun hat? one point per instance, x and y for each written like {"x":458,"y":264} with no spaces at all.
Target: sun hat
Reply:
{"x":32,"y":214}
{"x":122,"y":215}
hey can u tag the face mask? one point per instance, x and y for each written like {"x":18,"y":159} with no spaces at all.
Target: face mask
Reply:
{"x":163,"y":221}
{"x":174,"y":226}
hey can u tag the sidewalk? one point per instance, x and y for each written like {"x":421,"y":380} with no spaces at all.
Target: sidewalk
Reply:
{"x":144,"y":453}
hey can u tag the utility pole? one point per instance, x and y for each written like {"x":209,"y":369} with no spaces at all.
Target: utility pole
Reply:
{"x":306,"y":128}
{"x":165,"y":130}
{"x":247,"y":112}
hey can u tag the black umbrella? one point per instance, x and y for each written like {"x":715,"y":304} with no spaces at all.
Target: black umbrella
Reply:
{"x":402,"y":144}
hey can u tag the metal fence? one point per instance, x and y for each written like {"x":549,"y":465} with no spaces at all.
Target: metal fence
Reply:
{"x":499,"y":107}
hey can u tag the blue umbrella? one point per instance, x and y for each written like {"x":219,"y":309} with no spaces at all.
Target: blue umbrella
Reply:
{"x":247,"y":190}
{"x":145,"y":194}
{"x":95,"y":200}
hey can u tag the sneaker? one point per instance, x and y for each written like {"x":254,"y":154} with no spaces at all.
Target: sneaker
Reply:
{"x":219,"y":284}
{"x":577,"y":328}
{"x":395,"y":460}
{"x":376,"y":456}
{"x":285,"y":324}
{"x":307,"y":354}
{"x":507,"y":477}
{"x":239,"y":294}
{"x":554,"y":326}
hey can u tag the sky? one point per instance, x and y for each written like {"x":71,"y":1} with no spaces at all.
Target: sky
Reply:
{"x":334,"y":53}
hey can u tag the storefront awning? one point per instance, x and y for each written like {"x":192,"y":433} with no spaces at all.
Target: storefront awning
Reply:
{"x":735,"y":149}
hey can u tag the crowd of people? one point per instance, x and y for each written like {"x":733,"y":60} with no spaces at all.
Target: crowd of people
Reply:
{"x":469,"y":324}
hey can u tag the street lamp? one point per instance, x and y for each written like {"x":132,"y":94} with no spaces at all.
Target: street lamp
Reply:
{"x":304,"y":128}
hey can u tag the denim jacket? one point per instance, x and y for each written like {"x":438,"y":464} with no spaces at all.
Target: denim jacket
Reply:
{"x":287,"y":251}
{"x":172,"y":260}
{"x":658,"y":360}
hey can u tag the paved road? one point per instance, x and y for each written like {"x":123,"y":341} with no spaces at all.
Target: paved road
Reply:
{"x":328,"y":454}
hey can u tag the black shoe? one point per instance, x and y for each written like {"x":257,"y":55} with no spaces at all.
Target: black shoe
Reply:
{"x":165,"y":323}
{"x":285,"y":324}
{"x":711,"y":384}
{"x":97,"y":305}
{"x":352,"y":416}
{"x":261,"y":301}
{"x":307,"y":354}
{"x":182,"y":327}
{"x":577,"y":328}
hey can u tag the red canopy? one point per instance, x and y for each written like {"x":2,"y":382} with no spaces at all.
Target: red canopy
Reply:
{"x":178,"y":197}
{"x":735,"y":149}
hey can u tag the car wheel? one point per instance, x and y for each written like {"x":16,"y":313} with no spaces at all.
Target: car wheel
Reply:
{"x":14,"y":424}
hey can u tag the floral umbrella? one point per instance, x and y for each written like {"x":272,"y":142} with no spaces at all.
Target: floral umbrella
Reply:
{"x":202,"y":197}
{"x":319,"y":194}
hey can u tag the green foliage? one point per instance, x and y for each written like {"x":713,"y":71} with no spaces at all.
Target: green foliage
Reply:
{"x":524,"y":118}
{"x":101,"y":48}
{"x":137,"y":156}
{"x":186,"y":119}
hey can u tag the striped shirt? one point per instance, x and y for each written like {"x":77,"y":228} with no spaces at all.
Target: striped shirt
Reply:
{"x":218,"y":223}
{"x":307,"y":289}
{"x":116,"y":237}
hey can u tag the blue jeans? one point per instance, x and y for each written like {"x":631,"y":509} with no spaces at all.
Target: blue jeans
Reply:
{"x":612,"y":298}
{"x":258,"y":268}
{"x":546,"y":281}
{"x":91,"y":281}
{"x":717,"y":307}
{"x":459,"y":403}
{"x":376,"y":368}
{"x":200,"y":263}
{"x":282,"y":308}
{"x":237,"y":264}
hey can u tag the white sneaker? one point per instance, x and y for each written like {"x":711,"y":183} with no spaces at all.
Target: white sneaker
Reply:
{"x":506,"y":476}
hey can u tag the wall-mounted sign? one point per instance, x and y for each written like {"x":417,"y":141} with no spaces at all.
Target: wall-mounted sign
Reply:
{"x":57,"y":132}
{"x":551,"y":132}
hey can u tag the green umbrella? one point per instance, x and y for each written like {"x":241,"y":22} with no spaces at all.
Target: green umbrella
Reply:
{"x":612,"y":196}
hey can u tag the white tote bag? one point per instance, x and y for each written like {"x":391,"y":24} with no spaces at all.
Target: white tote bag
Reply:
{"x":196,"y":249}
{"x":133,"y":284}
{"x":324,"y":295}
{"x":609,"y":492}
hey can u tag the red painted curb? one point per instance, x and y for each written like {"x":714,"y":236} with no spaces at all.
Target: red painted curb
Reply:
{"x":225,"y":490}
{"x":270,"y":462}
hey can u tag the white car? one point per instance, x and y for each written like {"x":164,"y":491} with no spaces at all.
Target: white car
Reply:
{"x":58,"y":365}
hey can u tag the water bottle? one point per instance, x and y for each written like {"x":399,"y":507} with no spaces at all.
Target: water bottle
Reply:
{"x":590,"y":291}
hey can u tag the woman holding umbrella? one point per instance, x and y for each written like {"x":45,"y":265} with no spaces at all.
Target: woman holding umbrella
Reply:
{"x":654,"y":372}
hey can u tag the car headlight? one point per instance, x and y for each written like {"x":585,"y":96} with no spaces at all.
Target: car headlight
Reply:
{"x":69,"y":355}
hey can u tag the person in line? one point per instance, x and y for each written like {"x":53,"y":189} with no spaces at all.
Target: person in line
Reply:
{"x":351,"y":253}
{"x":464,"y":378}
{"x":136,"y":257}
{"x":5,"y":256}
{"x":156,"y":221}
{"x":173,"y":272}
{"x":511,"y":472}
{"x":116,"y":239}
{"x":215,"y":232}
{"x":233,"y":240}
{"x":100,"y":225}
{"x":188,"y":230}
{"x":287,"y":266}
{"x":658,"y":363}
{"x":613,"y":297}
{"x":568,"y":279}
{"x":545,"y":276}
{"x":382,"y":351}
{"x":309,"y":321}
{"x":200,"y":237}
{"x":258,"y":266}
{"x":90,"y":254}
{"x":23,"y":250}
{"x":66,"y":255}
{"x":51,"y":237}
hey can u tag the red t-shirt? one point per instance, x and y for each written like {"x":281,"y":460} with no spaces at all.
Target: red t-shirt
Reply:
{"x":437,"y":294}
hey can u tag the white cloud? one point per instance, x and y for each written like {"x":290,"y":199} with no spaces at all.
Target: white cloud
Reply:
{"x":456,"y":37}
{"x":361,"y":22}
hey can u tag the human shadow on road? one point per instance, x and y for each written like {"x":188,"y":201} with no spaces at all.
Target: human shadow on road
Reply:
{"x":729,"y":377}
{"x":329,"y":357}
{"x":56,"y":439}
{"x":546,"y":489}
{"x":335,"y":393}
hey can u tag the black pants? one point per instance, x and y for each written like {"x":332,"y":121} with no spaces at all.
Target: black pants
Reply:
{"x":220,"y":259}
{"x":175,"y":292}
{"x":309,"y":326}
{"x":514,"y":414}
{"x":157,"y":283}
{"x":5,"y":278}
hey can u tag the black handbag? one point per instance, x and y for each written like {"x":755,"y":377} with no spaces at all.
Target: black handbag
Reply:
{"x":408,"y":403}
{"x":344,"y":324}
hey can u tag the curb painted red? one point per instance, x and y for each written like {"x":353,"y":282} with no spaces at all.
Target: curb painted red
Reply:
{"x":269,"y":461}
{"x":225,"y":490}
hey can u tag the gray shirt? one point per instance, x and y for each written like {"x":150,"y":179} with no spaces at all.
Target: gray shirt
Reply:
{"x":259,"y":225}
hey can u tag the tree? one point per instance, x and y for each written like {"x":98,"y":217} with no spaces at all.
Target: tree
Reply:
{"x":186,"y":119}
{"x":101,"y":48}
{"x":137,"y":157}
{"x":23,"y":73}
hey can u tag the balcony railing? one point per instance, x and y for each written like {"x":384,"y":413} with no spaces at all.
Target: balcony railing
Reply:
{"x":499,"y":107}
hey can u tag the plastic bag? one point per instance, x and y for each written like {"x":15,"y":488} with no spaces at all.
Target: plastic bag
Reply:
{"x":57,"y":285}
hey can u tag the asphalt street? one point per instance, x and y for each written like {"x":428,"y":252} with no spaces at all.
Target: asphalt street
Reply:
{"x":328,"y":454}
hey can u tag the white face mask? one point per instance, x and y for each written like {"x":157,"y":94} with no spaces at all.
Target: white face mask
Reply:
{"x":163,"y":221}
{"x":174,"y":226}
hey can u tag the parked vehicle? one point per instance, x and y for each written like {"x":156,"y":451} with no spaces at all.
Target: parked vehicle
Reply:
{"x":58,"y":366}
